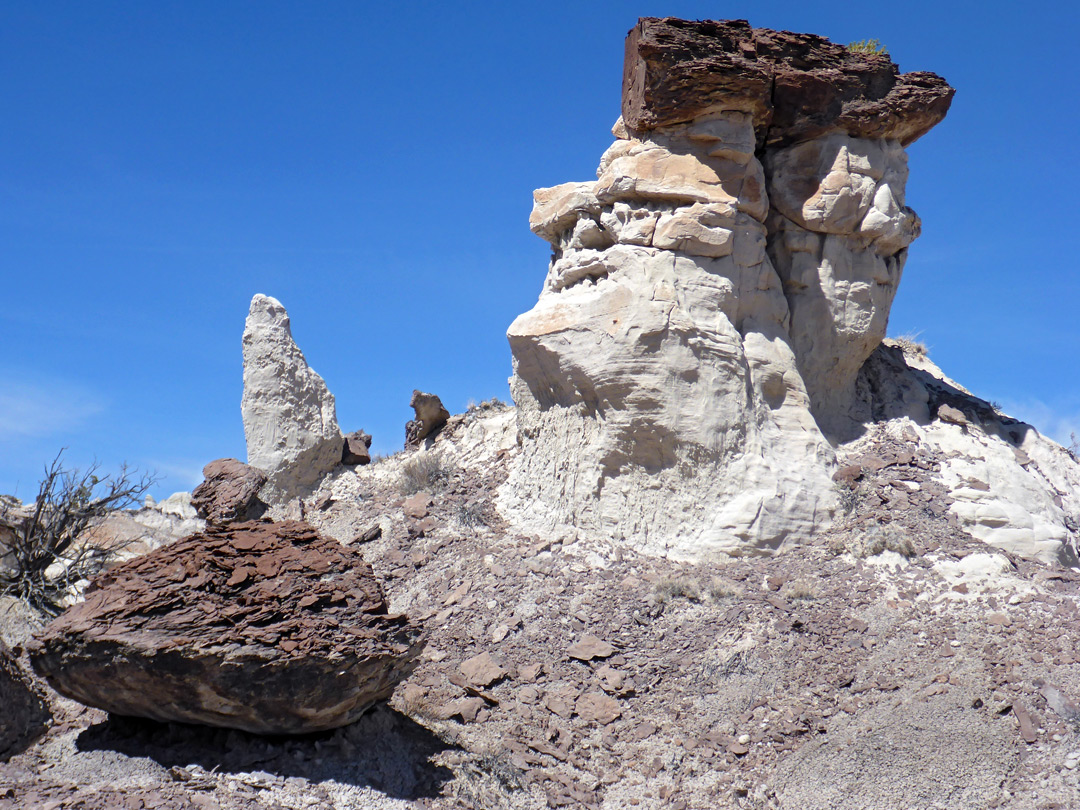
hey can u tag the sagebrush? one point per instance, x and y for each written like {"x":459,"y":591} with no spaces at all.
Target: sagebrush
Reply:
{"x":424,"y":472}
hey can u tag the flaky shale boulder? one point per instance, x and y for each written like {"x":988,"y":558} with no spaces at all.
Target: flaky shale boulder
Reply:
{"x":290,"y":419}
{"x":260,"y":626}
{"x":693,"y":357}
{"x":229,"y":492}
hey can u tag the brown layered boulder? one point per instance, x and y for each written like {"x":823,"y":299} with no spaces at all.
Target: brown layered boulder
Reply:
{"x":796,"y":86}
{"x":24,"y":714}
{"x":265,"y":627}
{"x":229,"y":492}
{"x":357,"y":449}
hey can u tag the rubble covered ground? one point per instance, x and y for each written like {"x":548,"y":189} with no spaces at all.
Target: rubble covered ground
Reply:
{"x":893,"y":662}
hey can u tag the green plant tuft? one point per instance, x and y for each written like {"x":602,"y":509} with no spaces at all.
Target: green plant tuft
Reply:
{"x":868,"y":46}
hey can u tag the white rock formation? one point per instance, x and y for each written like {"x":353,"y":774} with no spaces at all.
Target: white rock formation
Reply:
{"x":708,"y":337}
{"x":1011,"y":487}
{"x":289,"y":417}
{"x":659,"y":400}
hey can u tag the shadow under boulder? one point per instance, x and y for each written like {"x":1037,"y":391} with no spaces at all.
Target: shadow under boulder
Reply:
{"x":384,"y":750}
{"x":24,"y":714}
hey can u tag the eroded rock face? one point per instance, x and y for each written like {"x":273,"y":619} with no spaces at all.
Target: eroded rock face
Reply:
{"x":430,"y":417}
{"x":838,"y":235}
{"x":713,"y":295}
{"x":290,"y":422}
{"x":266,"y":627}
{"x":796,"y":86}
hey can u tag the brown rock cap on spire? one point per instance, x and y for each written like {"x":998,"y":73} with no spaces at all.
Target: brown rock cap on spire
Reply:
{"x":797,"y":86}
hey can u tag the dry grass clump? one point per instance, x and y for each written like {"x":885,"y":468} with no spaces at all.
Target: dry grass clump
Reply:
{"x":910,"y":344}
{"x":721,"y":589}
{"x":682,"y":586}
{"x":800,"y":589}
{"x":874,"y":540}
{"x":677,"y":587}
{"x":424,"y":472}
{"x":471,"y":514}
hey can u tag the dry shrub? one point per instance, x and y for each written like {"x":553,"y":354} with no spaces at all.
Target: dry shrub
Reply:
{"x":873,"y":540}
{"x":721,"y":589}
{"x":424,"y":472}
{"x":675,"y":587}
{"x":800,"y":589}
{"x":47,"y":557}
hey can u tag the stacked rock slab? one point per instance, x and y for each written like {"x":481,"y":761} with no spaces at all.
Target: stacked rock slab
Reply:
{"x":265,"y":627}
{"x":290,"y":421}
{"x":712,"y":296}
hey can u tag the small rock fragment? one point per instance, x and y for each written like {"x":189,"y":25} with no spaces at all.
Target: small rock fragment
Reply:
{"x":947,"y":413}
{"x":482,"y":670}
{"x":357,"y":449}
{"x":417,"y":505}
{"x":589,"y":647}
{"x":229,"y":492}
{"x":598,"y":707}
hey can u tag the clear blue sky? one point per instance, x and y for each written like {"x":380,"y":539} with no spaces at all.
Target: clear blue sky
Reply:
{"x":371,"y":165}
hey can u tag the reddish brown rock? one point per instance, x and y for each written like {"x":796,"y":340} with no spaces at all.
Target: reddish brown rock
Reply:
{"x":229,"y":492}
{"x":357,"y":449}
{"x":796,"y":86}
{"x":431,"y":416}
{"x":482,"y":670}
{"x":266,"y":627}
{"x":589,"y":647}
{"x":598,"y":707}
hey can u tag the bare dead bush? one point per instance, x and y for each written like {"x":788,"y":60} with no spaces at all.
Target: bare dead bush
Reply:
{"x":47,"y":558}
{"x":800,"y":589}
{"x":874,"y":540}
{"x":471,"y":514}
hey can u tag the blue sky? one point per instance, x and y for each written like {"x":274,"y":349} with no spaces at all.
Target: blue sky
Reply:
{"x":371,"y":165}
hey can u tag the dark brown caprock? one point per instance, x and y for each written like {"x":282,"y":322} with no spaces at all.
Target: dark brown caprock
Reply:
{"x":796,"y":86}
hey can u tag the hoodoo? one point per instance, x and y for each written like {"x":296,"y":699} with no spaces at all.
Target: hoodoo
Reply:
{"x":699,"y":354}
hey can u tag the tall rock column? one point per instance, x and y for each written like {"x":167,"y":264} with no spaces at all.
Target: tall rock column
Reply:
{"x":290,"y":421}
{"x":663,"y":379}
